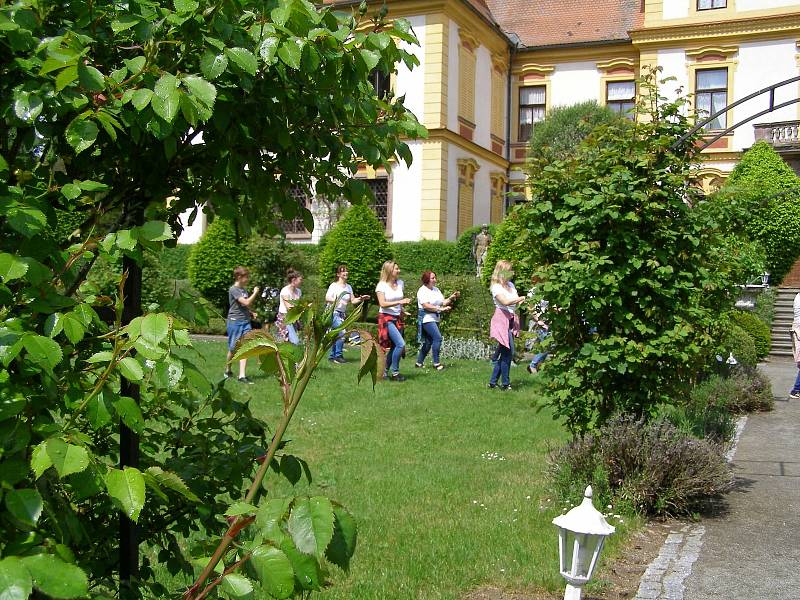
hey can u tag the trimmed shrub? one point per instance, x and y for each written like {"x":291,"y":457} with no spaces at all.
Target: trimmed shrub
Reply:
{"x":738,"y":342}
{"x":212,"y":261}
{"x":745,"y":391}
{"x":471,"y":312}
{"x":510,"y":242}
{"x":775,"y":222}
{"x":358,"y":241}
{"x":438,"y":256}
{"x":464,"y":248}
{"x":304,"y":257}
{"x":757,"y":329}
{"x":653,"y":468}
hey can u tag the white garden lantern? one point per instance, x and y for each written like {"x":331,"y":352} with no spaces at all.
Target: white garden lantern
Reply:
{"x":581,"y":535}
{"x":765,"y":279}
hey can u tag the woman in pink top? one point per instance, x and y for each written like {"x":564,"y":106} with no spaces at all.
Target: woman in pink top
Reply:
{"x":504,"y":324}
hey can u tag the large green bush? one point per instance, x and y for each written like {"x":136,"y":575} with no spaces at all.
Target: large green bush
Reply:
{"x":358,"y":240}
{"x":774,"y":222}
{"x":464,"y":247}
{"x":510,"y":243}
{"x":471,"y":312}
{"x":765,"y":306}
{"x":212,"y":261}
{"x":738,"y":342}
{"x":428,"y":255}
{"x":757,"y":329}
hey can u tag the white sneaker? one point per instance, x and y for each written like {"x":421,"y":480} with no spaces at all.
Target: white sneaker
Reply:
{"x":794,"y":396}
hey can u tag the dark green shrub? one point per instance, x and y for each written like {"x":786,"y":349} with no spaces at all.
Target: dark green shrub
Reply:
{"x":175,"y":261}
{"x":775,"y":222}
{"x":428,"y":255}
{"x":212,"y":261}
{"x":744,"y":391}
{"x":652,"y":467}
{"x":510,"y":242}
{"x":358,"y":241}
{"x":304,"y":257}
{"x":464,"y":248}
{"x":471,"y":312}
{"x":765,"y":306}
{"x":738,"y":342}
{"x":757,"y":329}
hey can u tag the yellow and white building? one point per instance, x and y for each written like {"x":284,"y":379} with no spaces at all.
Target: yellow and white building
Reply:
{"x":490,"y":69}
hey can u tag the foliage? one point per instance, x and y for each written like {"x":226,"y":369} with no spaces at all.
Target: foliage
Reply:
{"x":212,"y":261}
{"x":471,"y":312}
{"x":744,"y":391}
{"x":124,"y":115}
{"x":651,"y":467}
{"x":174,"y":262}
{"x":755,"y":327}
{"x":773,"y":221}
{"x":741,"y":344}
{"x":439,"y":256}
{"x":765,"y":306}
{"x":464,"y":247}
{"x":506,"y":246}
{"x":703,"y":418}
{"x":456,"y":348}
{"x":629,"y":255}
{"x":304,"y":257}
{"x":557,"y":137}
{"x":357,"y":240}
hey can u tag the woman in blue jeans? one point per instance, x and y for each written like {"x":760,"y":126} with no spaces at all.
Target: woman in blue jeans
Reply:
{"x":431,"y":303}
{"x":391,"y":299}
{"x":339,"y":295}
{"x":504,"y":324}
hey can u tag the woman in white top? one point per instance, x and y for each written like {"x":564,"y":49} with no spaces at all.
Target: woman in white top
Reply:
{"x":340,"y":294}
{"x":391,"y":299}
{"x":505,"y":323}
{"x":431,"y":303}
{"x":289,"y":296}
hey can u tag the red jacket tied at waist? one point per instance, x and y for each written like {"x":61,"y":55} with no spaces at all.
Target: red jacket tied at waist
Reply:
{"x":502,"y":322}
{"x":383,"y":328}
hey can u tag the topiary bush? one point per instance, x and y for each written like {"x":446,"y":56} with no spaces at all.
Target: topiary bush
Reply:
{"x":507,"y":245}
{"x":358,"y":240}
{"x":775,"y":222}
{"x":757,"y":329}
{"x":738,"y":342}
{"x":464,"y":243}
{"x":652,"y":468}
{"x":471,"y":312}
{"x":438,"y":256}
{"x":212,"y":261}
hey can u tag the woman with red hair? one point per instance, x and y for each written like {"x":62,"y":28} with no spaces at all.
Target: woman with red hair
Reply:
{"x":431,"y":303}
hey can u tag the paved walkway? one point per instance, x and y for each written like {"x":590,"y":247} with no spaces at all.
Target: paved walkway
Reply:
{"x":752,"y":551}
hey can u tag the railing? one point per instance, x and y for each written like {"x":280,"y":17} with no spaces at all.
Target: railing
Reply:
{"x":785,"y":134}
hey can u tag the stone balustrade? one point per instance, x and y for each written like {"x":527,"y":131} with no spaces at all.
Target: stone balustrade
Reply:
{"x":782,"y":135}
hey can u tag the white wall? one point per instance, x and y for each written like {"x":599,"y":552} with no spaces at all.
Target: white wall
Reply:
{"x":407,"y":197}
{"x":483,"y":98}
{"x":676,"y":9}
{"x":761,"y":64}
{"x":481,"y":208}
{"x":412,"y":83}
{"x":673,"y":61}
{"x":452,"y":77}
{"x":575,"y":82}
{"x":742,"y":5}
{"x":191,"y":234}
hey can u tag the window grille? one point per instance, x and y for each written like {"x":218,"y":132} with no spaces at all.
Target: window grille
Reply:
{"x":380,"y":189}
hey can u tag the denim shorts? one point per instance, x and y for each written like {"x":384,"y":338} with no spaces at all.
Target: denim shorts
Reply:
{"x":236,"y":329}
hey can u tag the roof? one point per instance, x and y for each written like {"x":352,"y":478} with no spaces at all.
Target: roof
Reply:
{"x":559,"y":22}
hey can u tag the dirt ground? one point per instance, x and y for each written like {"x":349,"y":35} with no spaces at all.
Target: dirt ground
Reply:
{"x":620,"y":578}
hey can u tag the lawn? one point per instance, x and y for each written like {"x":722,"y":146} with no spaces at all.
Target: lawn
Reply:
{"x":444,"y":476}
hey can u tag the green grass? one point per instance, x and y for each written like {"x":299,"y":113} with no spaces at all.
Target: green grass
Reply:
{"x":419,"y":465}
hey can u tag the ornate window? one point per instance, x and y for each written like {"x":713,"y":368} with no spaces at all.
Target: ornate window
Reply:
{"x":380,"y":189}
{"x":532,"y":108}
{"x":711,"y":4}
{"x":295,"y":227}
{"x":621,"y":97}
{"x":711,"y":95}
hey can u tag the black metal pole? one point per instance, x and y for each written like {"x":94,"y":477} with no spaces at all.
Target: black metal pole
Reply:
{"x":128,"y":440}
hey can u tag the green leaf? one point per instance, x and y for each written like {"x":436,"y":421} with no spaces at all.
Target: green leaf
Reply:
{"x":73,"y":328}
{"x":155,"y":231}
{"x":256,"y":346}
{"x":291,"y":468}
{"x":98,"y":412}
{"x":141,"y":98}
{"x":166,"y":85}
{"x":186,"y":6}
{"x":124,"y":22}
{"x":370,"y":57}
{"x":88,"y":185}
{"x":213,"y":65}
{"x":126,"y":488}
{"x":70,"y":191}
{"x":311,"y":524}
{"x":90,"y":78}
{"x":268,"y":49}
{"x":40,"y":461}
{"x":280,"y":15}
{"x":155,"y":328}
{"x":343,"y":543}
{"x":66,"y":458}
{"x":66,"y":77}
{"x":290,"y":53}
{"x":54,"y":577}
{"x":42,"y":350}
{"x":81,"y":134}
{"x":166,"y":107}
{"x":242,"y":58}
{"x":11,"y":267}
{"x":271,"y":515}
{"x":3,"y":166}
{"x":131,"y":369}
{"x":240,"y":508}
{"x":201,"y":89}
{"x":102,"y":356}
{"x":274,"y":571}
{"x":27,"y":106}
{"x":236,"y":586}
{"x":171,"y":481}
{"x":130,"y":413}
{"x":15,"y":580}
{"x":135,"y":65}
{"x":306,"y":568}
{"x":24,"y":505}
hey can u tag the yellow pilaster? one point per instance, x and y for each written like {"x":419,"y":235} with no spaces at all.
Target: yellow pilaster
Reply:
{"x":433,"y":220}
{"x":437,"y":32}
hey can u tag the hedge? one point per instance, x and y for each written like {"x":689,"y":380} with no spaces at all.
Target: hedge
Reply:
{"x":212,"y":261}
{"x":757,"y":330}
{"x":506,"y":246}
{"x":428,"y":255}
{"x":738,"y":342}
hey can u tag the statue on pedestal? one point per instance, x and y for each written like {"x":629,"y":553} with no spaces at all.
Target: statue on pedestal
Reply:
{"x":480,"y":246}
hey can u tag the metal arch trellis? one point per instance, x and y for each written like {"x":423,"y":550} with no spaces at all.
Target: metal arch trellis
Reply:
{"x":717,"y":135}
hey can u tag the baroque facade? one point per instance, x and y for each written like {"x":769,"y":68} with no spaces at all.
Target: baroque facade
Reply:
{"x":490,"y":69}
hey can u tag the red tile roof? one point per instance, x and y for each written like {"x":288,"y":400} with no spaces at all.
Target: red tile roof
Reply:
{"x":553,"y":22}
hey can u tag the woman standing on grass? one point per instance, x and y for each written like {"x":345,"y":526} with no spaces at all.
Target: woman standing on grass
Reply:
{"x":340,"y":294}
{"x":505,"y":323}
{"x":431,"y":303}
{"x":391,"y":299}
{"x":289,"y":296}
